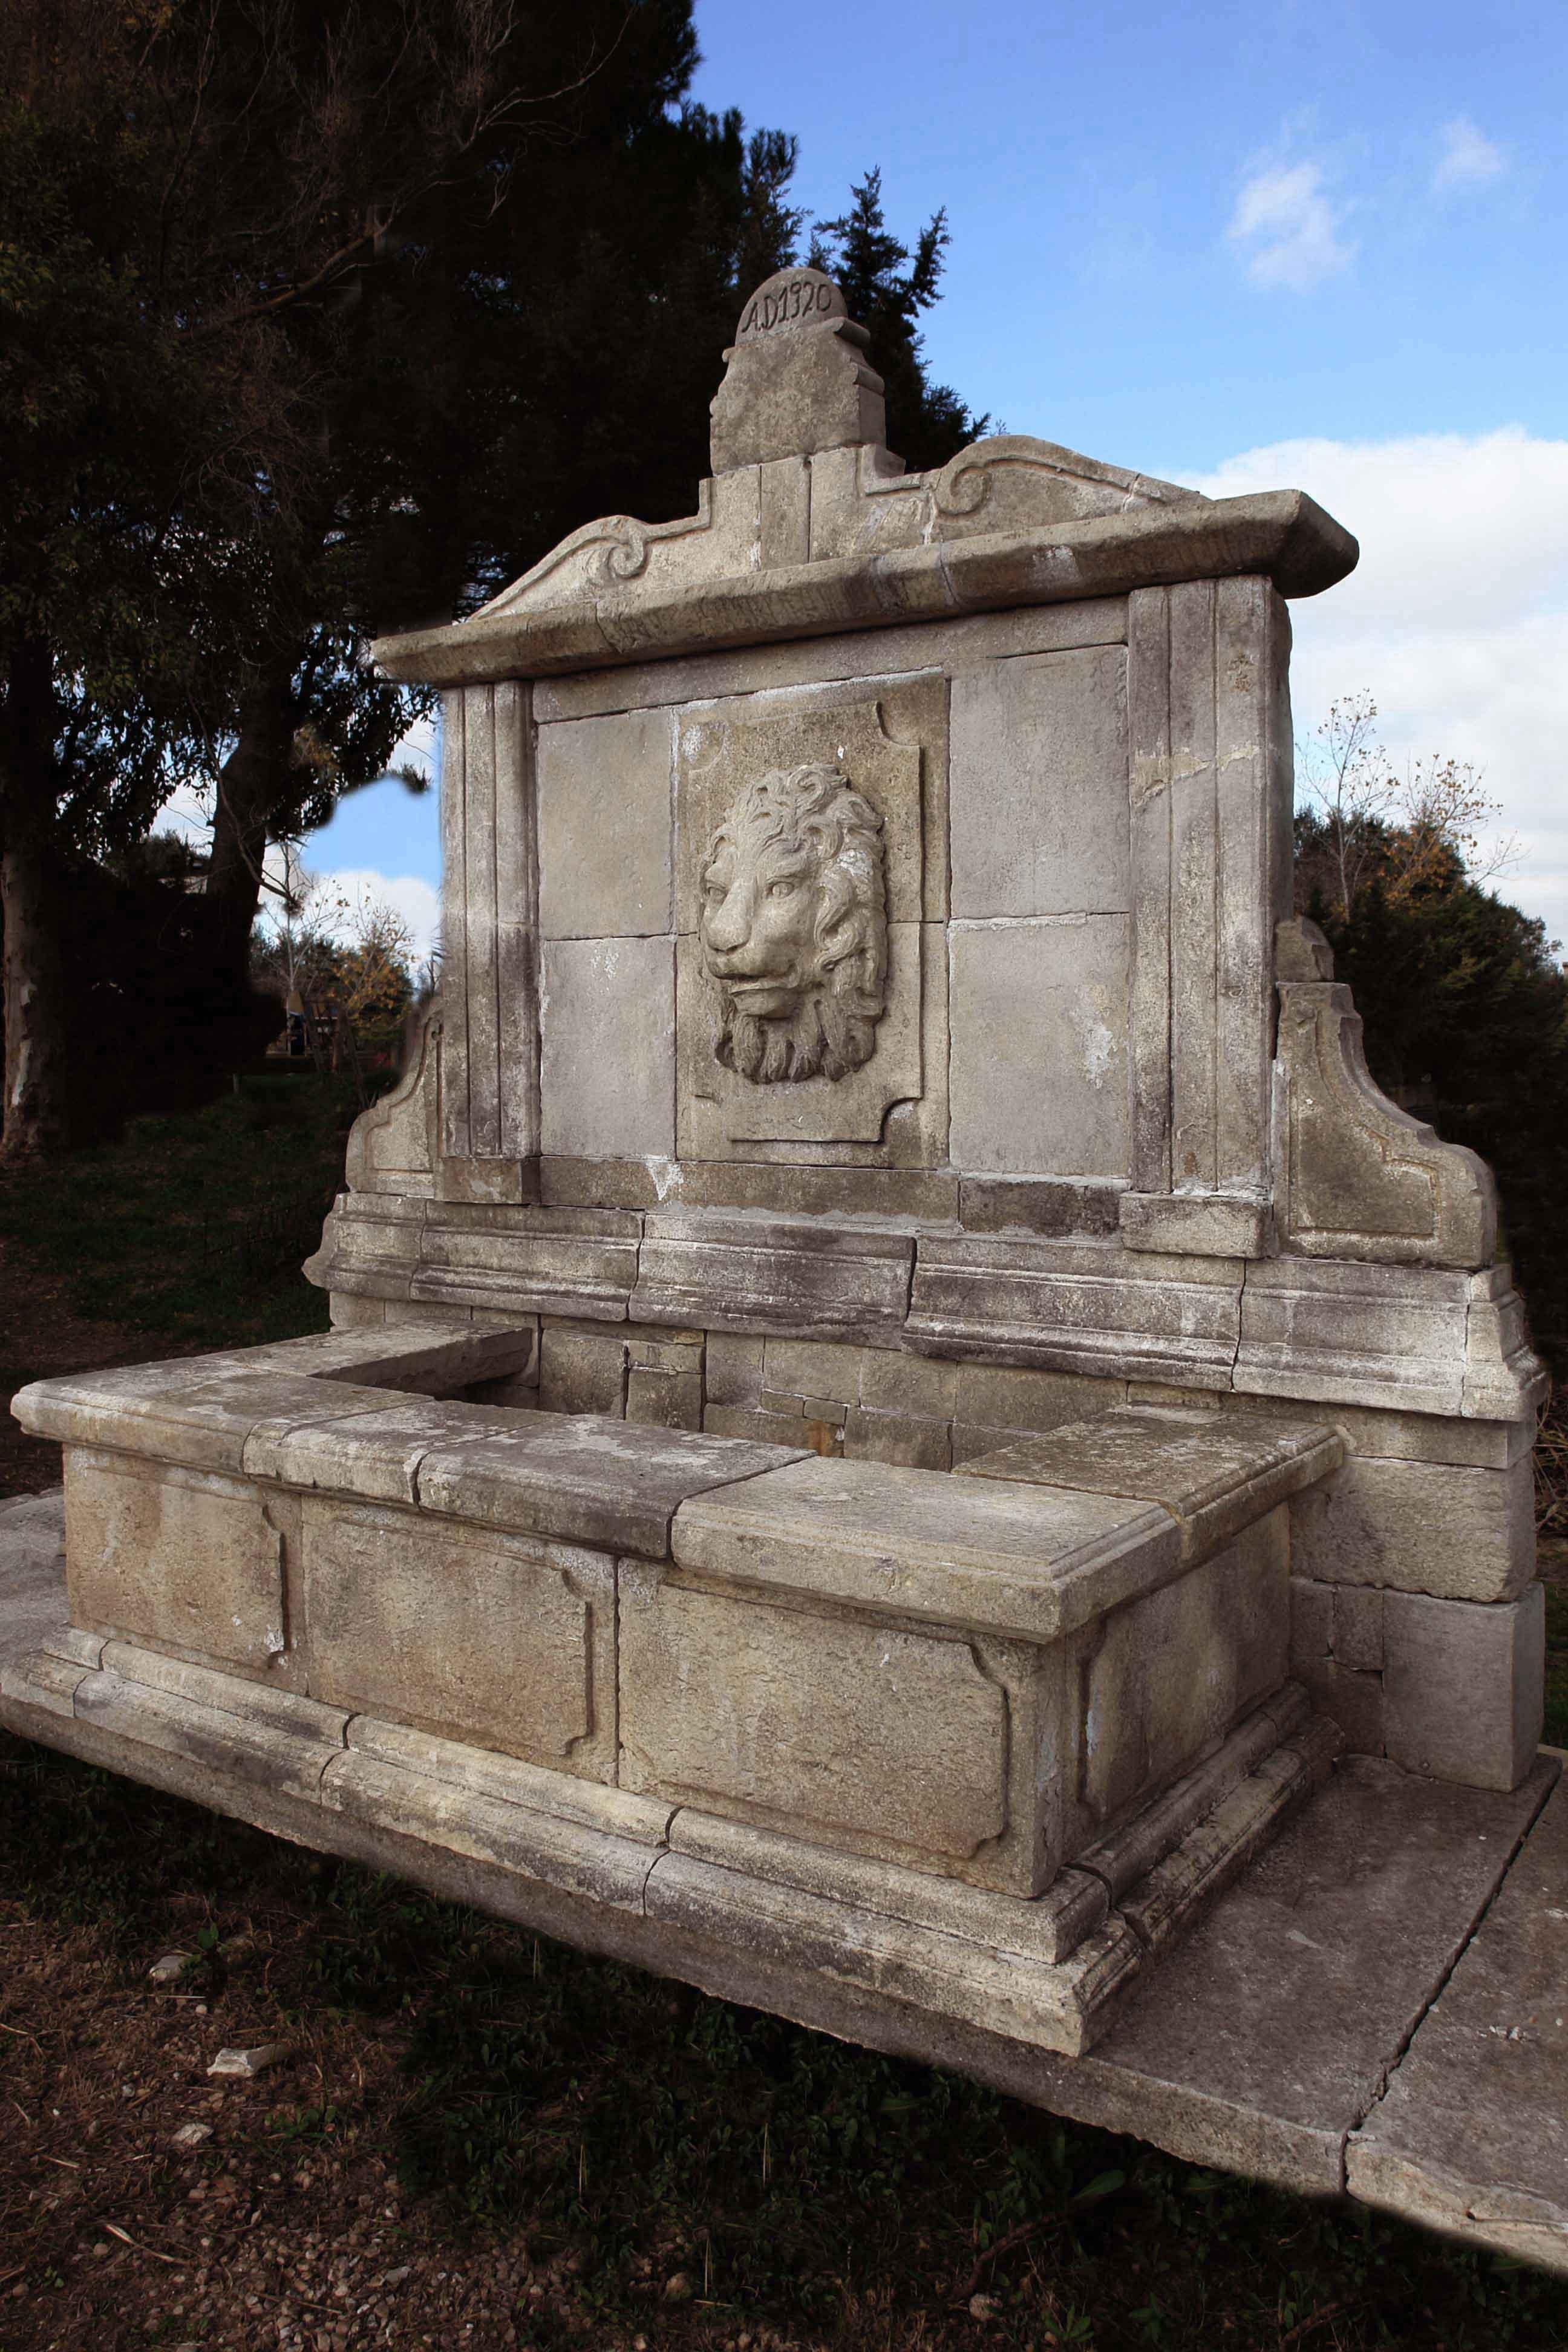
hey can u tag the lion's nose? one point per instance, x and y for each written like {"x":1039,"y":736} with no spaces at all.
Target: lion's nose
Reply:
{"x":728,"y":925}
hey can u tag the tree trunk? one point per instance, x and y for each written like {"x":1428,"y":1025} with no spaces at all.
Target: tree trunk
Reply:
{"x":37,"y":1069}
{"x":252,"y":785}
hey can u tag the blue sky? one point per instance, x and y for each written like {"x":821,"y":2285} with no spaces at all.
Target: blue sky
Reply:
{"x":1243,"y":246}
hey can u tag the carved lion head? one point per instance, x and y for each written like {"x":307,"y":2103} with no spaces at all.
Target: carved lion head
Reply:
{"x":794,"y":926}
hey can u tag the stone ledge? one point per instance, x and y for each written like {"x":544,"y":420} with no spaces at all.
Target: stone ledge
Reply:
{"x":618,"y":1852}
{"x":1282,"y":534}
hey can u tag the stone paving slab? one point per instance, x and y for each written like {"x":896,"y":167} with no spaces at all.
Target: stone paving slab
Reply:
{"x":1471,"y":2135}
{"x":1272,"y":2043}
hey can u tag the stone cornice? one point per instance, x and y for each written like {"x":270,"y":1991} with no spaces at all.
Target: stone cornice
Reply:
{"x":1281,"y":534}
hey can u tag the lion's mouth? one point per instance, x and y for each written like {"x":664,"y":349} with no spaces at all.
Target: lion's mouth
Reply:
{"x":757,"y":995}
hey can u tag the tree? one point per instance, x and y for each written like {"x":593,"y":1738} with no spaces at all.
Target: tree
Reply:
{"x":1370,"y":822}
{"x":1464,"y":1003}
{"x":927,"y":423}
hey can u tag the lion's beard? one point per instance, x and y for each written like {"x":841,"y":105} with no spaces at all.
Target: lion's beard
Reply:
{"x":827,"y":1036}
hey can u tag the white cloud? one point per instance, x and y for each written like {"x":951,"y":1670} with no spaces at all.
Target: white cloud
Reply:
{"x":1456,"y":619}
{"x":1289,"y":228}
{"x":407,"y":894}
{"x":1469,"y":158}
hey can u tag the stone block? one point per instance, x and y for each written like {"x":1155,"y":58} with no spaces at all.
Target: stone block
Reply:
{"x":1038,"y":1204}
{"x":1215,"y":1473}
{"x":604,"y":827}
{"x":1039,"y":785}
{"x":471,"y":1636}
{"x":1038,"y":1069}
{"x":614,"y":1485}
{"x":1419,"y":1526}
{"x":709,"y":1268}
{"x":1210,"y":1225}
{"x":1004,"y":1396}
{"x":917,"y":1385}
{"x":813,"y":1368}
{"x":897,"y":1437}
{"x":1022,"y":1560}
{"x":208,"y":1424}
{"x":823,"y":1725}
{"x":1463,"y":1687}
{"x":771,"y":1428}
{"x":1352,"y":1698}
{"x":1312,"y":1623}
{"x":1175,"y":1670}
{"x":1387,"y":1336}
{"x":733,"y":1367}
{"x":375,"y":1455}
{"x":175,"y":1557}
{"x":1358,"y":1626}
{"x":607,"y":1031}
{"x":665,"y":1399}
{"x":582,"y":1370}
{"x":1085,"y":1307}
{"x":572,"y":1261}
{"x":1410,"y":1436}
{"x":351,"y":1314}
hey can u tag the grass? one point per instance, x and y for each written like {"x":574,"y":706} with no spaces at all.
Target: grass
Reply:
{"x":625,"y":2126}
{"x":192,"y":1228}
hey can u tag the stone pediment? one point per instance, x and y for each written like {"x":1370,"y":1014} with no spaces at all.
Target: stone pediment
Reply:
{"x":809,"y":524}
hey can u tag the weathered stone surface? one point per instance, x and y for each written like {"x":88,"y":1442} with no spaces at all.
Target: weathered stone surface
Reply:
{"x":827,"y":1723}
{"x":1174,"y":1671}
{"x":471,"y":1636}
{"x":1006,"y":1397}
{"x":607,"y":1024}
{"x":1018,"y":1559}
{"x":374,"y":1455}
{"x":1038,"y":1026}
{"x":1086,"y":1307}
{"x":605,"y":831}
{"x":665,"y":1399}
{"x":1280,"y":534}
{"x":1471,"y":2135}
{"x":205,"y":1424}
{"x":1052,"y":1206}
{"x":705,"y":1267}
{"x":579,"y":1262}
{"x":802,"y":386}
{"x":1215,"y":1473}
{"x":733,"y":1369}
{"x":584,"y":1478}
{"x":1419,"y":1526}
{"x":768,"y":1428}
{"x":817,"y":1367}
{"x":582,"y":1370}
{"x":1210,"y":1225}
{"x":1463,"y":1687}
{"x":1409,"y":1436}
{"x":1357,"y":1177}
{"x":395,"y":1146}
{"x":1046,"y":1928}
{"x":1387,"y":1336}
{"x":175,"y":1556}
{"x":900,"y":1437}
{"x":1039,"y":786}
{"x":1120,"y":1861}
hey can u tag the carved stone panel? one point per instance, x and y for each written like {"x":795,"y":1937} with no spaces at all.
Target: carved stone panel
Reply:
{"x":826,"y":1726}
{"x":810,"y":846}
{"x":463,"y":1632}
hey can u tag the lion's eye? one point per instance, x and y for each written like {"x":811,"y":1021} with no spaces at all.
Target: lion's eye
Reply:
{"x":780,"y":889}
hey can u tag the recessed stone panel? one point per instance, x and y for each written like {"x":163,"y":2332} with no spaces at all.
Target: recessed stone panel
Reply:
{"x":1039,"y":785}
{"x":818,"y":1723}
{"x":469,"y":1635}
{"x":608,"y":1047}
{"x":1037,"y":1066}
{"x":177,"y":1558}
{"x":605,"y":823}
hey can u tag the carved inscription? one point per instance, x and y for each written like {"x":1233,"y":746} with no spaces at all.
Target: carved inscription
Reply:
{"x":794,"y":926}
{"x":797,"y":298}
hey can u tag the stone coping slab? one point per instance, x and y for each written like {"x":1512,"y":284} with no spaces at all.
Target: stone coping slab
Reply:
{"x":1004,"y":1558}
{"x":1214,"y":1472}
{"x":1471,"y":2135}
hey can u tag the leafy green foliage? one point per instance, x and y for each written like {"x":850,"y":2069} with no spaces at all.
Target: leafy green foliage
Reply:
{"x":1466,"y":1011}
{"x":192,"y":1228}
